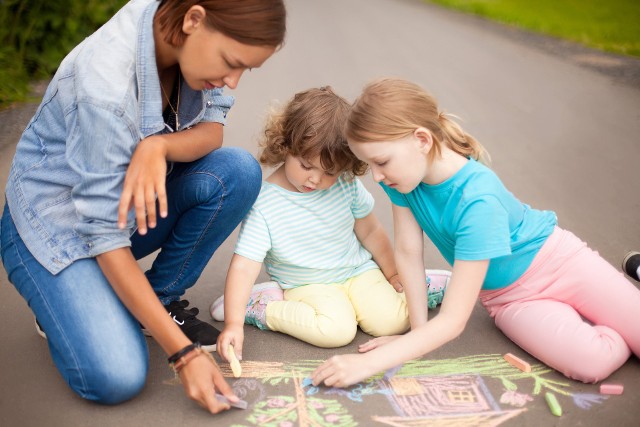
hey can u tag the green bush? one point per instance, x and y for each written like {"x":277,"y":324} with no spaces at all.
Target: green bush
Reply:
{"x":36,"y":35}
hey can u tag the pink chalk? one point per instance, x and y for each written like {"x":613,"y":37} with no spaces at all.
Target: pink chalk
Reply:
{"x":611,"y":388}
{"x":517,"y":362}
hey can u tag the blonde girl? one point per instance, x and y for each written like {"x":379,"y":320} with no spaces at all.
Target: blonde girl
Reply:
{"x":542,"y":285}
{"x":329,"y":258}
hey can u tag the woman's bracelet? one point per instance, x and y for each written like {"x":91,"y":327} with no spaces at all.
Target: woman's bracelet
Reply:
{"x":181,"y":353}
{"x":182,"y":362}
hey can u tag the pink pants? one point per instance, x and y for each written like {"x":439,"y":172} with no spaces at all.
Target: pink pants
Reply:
{"x":571,"y":309}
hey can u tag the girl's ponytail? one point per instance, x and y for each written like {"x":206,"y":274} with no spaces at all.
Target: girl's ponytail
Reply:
{"x":390,"y":109}
{"x":459,"y":141}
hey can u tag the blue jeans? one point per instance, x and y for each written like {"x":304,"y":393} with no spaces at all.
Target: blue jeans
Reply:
{"x":96,"y":344}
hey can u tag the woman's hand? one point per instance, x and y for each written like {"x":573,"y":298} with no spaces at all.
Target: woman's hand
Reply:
{"x":200,"y":378}
{"x":342,"y":371}
{"x":234,"y":335}
{"x":376,"y":342}
{"x":145,"y":178}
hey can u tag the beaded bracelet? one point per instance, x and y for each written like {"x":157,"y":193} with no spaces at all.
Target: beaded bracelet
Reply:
{"x":181,"y":353}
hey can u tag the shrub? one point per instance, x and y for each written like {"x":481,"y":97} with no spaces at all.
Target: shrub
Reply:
{"x":36,"y":35}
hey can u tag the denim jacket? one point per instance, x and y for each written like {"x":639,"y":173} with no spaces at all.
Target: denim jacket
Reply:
{"x":67,"y":175}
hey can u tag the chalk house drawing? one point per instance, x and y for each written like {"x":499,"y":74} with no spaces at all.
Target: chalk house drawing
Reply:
{"x":443,"y":392}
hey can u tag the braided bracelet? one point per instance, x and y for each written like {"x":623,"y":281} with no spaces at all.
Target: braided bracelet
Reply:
{"x":182,"y":362}
{"x":181,"y":353}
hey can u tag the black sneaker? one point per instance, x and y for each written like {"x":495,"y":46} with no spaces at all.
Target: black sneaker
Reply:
{"x":194,"y":329}
{"x":631,"y":265}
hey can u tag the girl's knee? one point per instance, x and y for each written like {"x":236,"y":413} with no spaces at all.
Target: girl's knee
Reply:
{"x":591,"y":373}
{"x":335,"y":333}
{"x":595,"y":362}
{"x":390,"y":327}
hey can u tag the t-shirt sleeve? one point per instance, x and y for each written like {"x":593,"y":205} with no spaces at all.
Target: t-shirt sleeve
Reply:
{"x":362,"y":203}
{"x":482,"y":231}
{"x":254,"y":240}
{"x":396,"y":197}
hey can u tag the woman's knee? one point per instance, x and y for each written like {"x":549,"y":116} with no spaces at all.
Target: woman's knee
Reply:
{"x":247,"y":179}
{"x":235,"y":176}
{"x":111,"y":382}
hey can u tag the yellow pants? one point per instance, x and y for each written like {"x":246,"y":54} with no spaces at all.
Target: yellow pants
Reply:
{"x":328,"y":315}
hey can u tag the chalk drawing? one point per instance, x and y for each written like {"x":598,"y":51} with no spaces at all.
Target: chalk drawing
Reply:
{"x":418,"y":393}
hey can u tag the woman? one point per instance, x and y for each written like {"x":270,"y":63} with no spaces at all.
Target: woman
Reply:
{"x":100,"y":144}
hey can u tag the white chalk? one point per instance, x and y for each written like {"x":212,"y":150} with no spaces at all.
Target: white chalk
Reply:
{"x":242,"y":404}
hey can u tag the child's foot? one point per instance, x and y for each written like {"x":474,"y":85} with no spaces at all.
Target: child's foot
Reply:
{"x":437,"y":281}
{"x":631,"y":265}
{"x":261,"y":295}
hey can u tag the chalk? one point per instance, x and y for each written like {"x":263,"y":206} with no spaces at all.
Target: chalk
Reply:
{"x":611,"y":388}
{"x":517,"y":362}
{"x":391,"y":372}
{"x":234,"y":362}
{"x":241,"y":404}
{"x":554,"y":406}
{"x":306,"y":381}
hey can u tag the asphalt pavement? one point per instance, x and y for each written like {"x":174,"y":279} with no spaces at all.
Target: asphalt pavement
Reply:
{"x":562,"y":125}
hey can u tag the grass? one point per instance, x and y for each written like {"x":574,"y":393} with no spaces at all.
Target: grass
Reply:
{"x":608,"y":25}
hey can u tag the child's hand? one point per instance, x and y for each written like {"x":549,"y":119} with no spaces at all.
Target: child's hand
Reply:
{"x":342,"y":371}
{"x":376,"y":342}
{"x":234,"y":335}
{"x":395,"y":282}
{"x":145,"y":178}
{"x":201,"y":378}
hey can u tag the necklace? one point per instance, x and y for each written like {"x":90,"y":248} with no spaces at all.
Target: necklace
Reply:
{"x":177,"y":109}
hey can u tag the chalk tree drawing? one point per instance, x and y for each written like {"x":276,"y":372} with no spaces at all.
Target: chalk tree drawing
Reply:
{"x":419,"y":393}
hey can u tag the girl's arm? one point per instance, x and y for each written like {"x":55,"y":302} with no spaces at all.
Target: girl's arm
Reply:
{"x":409,"y":253}
{"x":241,"y":277}
{"x":146,"y":173}
{"x":372,"y":236}
{"x":457,"y":306}
{"x":201,"y":376}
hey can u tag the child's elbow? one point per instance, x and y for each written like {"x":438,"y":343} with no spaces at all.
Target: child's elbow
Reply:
{"x":455,"y":327}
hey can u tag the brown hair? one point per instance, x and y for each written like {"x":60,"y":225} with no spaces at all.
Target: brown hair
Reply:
{"x":309,"y":126}
{"x":390,"y":109}
{"x":251,"y":22}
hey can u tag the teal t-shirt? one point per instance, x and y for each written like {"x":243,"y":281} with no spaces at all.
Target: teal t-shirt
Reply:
{"x":472,"y":216}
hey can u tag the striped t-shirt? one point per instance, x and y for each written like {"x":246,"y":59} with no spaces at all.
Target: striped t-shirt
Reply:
{"x":305,"y":238}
